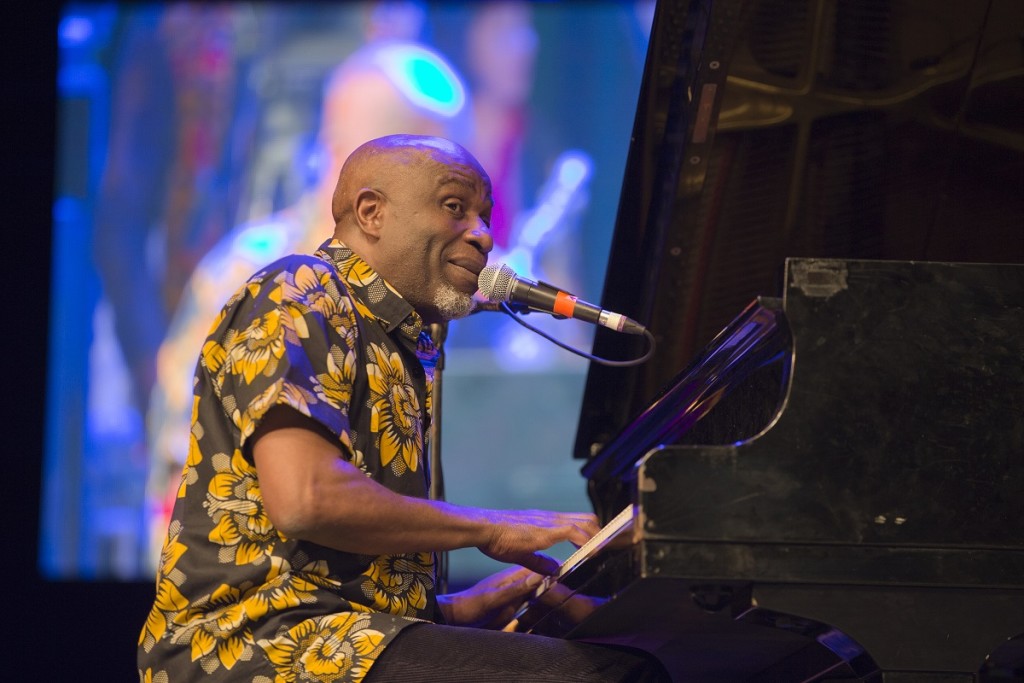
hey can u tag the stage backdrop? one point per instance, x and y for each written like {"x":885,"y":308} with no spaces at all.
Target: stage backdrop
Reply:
{"x":194,"y":145}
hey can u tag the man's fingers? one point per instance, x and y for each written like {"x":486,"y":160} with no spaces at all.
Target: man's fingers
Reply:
{"x":578,"y":535}
{"x":539,"y":563}
{"x":524,"y":586}
{"x":520,"y":536}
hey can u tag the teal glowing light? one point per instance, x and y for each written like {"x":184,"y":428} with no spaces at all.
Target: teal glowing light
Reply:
{"x":262,"y":243}
{"x":425,"y":79}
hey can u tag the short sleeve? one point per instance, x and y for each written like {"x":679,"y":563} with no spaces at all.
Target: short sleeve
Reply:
{"x":288,"y":338}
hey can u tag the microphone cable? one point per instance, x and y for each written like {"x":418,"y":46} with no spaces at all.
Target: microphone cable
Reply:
{"x":506,"y":309}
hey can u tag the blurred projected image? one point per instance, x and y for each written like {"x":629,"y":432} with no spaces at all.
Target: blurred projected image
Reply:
{"x":200,"y":142}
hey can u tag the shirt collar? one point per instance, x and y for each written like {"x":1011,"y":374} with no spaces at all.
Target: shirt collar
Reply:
{"x":380,"y":300}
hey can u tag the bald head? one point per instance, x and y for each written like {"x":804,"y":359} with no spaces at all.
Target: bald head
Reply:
{"x":384,"y":163}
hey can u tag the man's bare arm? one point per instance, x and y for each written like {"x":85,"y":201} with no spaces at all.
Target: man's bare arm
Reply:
{"x":310,"y":491}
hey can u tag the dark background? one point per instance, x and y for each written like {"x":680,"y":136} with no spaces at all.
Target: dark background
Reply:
{"x":52,"y":630}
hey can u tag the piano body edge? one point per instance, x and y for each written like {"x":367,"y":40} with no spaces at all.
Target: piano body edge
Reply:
{"x":870,"y":525}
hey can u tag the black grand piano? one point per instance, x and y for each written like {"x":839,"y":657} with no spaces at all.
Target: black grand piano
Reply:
{"x":821,"y":223}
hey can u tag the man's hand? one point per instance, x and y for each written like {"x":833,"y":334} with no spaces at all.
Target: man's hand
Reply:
{"x":518,"y":536}
{"x":558,"y":605}
{"x":492,"y":602}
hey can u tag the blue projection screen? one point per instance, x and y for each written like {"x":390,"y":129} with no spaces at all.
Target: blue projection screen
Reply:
{"x":197,"y":141}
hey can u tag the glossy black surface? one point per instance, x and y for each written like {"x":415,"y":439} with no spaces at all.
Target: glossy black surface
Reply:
{"x":872,"y":526}
{"x":849,"y":506}
{"x":902,"y":424}
{"x":769,"y":129}
{"x":741,"y":375}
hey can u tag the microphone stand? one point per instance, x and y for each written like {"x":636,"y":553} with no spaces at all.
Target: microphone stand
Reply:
{"x":438,"y":332}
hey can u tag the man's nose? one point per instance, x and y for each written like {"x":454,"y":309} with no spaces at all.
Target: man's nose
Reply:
{"x":480,"y":237}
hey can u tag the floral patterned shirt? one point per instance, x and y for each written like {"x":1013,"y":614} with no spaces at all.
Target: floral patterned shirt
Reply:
{"x":235,"y":599}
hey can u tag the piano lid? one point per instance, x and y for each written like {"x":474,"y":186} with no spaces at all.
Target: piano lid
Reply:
{"x":765,"y":129}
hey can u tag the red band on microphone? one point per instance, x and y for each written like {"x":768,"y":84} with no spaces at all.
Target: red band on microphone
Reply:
{"x":565,"y":304}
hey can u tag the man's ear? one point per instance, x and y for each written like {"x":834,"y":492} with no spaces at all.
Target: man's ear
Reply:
{"x":369,"y":211}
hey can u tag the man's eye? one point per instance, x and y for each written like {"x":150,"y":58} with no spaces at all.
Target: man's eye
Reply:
{"x":454,"y":206}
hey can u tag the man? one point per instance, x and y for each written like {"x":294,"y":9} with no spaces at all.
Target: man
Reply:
{"x":301,"y":546}
{"x":367,"y":96}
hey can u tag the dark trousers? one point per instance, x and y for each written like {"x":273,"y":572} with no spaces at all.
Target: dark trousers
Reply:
{"x":432,"y":653}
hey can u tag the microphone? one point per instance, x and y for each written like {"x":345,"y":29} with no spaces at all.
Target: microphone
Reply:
{"x":500,"y":284}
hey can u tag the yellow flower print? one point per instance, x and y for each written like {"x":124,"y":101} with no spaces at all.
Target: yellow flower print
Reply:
{"x":284,"y":588}
{"x":399,"y":584}
{"x":188,"y":474}
{"x":364,"y":310}
{"x":335,"y":386}
{"x":235,"y":504}
{"x":359,"y":460}
{"x":346,"y":328}
{"x":253,"y":287}
{"x":215,"y":629}
{"x":195,"y":455}
{"x":342,"y":319}
{"x":357,"y":607}
{"x":278,"y":393}
{"x":330,"y":648}
{"x":149,"y":677}
{"x":394,"y":412}
{"x":169,"y":600}
{"x":307,"y":289}
{"x":298,"y":397}
{"x":173,"y":549}
{"x":294,"y":396}
{"x":213,"y":356}
{"x":357,"y":272}
{"x":258,"y":348}
{"x":168,"y":604}
{"x":255,"y":409}
{"x":220,"y":316}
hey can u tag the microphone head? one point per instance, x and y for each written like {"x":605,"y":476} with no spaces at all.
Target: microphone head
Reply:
{"x":495,"y":282}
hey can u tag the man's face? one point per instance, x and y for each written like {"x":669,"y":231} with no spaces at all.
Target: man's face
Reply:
{"x":436,"y":235}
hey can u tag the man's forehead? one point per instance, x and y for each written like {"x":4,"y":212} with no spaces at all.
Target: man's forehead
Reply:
{"x":465,"y":176}
{"x":452,"y":166}
{"x":437,"y":161}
